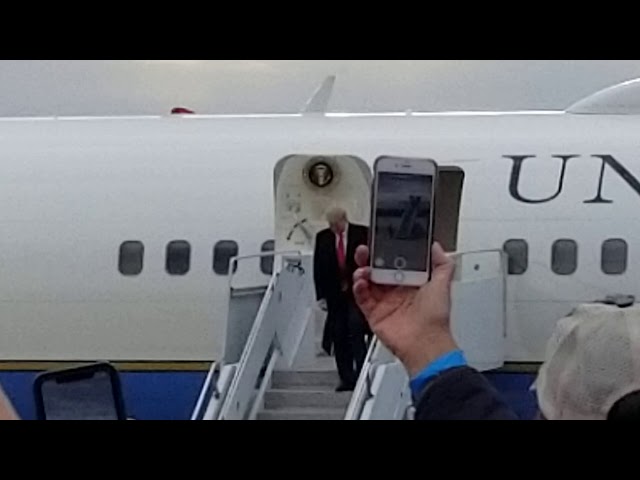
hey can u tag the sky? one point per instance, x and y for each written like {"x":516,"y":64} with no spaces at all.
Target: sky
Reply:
{"x":132,"y":87}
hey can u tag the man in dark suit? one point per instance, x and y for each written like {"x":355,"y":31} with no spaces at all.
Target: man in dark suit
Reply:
{"x":334,"y":265}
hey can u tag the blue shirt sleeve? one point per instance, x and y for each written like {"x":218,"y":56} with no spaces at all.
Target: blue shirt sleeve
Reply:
{"x":444,"y":362}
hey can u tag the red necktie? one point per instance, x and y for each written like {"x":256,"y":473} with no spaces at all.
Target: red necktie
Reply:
{"x":341,"y":254}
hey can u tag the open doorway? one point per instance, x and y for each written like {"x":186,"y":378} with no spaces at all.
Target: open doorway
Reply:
{"x":306,"y":186}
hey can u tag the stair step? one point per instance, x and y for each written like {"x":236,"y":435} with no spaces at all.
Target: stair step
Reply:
{"x":310,"y":379}
{"x":302,"y":414}
{"x":323,"y":363}
{"x":308,"y":397}
{"x":305,"y":388}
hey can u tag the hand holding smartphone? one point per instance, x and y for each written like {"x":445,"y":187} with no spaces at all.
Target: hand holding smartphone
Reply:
{"x":402,"y":213}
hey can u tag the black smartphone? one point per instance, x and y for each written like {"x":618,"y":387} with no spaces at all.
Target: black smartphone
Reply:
{"x":89,"y":392}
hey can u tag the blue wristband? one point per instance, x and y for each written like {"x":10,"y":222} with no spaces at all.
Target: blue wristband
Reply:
{"x":444,"y":362}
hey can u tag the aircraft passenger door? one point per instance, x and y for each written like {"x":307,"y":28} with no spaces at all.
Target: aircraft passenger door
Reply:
{"x":478,"y":315}
{"x":307,"y":186}
{"x":448,"y":202}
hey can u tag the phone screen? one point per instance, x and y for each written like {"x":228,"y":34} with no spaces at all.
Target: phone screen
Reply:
{"x":402,"y":221}
{"x":79,"y":397}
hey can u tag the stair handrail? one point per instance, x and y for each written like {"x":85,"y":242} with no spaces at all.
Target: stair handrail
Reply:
{"x":263,"y":339}
{"x":363,"y":389}
{"x":212,"y":390}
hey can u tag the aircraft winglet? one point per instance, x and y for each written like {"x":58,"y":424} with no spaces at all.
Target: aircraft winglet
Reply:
{"x":320,"y":100}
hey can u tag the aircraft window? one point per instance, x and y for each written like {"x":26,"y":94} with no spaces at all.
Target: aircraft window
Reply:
{"x":178,"y":259}
{"x":130,"y":258}
{"x":564,"y":257}
{"x":266,"y":263}
{"x":223,"y":252}
{"x":614,"y":256}
{"x":518,"y":253}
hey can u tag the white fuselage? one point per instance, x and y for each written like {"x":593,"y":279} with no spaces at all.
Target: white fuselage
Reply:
{"x":72,"y":190}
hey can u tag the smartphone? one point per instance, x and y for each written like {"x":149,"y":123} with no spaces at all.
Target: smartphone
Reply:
{"x":402,"y":213}
{"x":90,"y":392}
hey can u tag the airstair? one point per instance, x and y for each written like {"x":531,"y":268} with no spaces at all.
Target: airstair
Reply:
{"x":280,"y":373}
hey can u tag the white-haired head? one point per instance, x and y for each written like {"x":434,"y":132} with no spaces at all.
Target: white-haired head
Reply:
{"x":337,"y":218}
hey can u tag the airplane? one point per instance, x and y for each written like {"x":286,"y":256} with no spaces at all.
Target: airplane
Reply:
{"x":119,"y":232}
